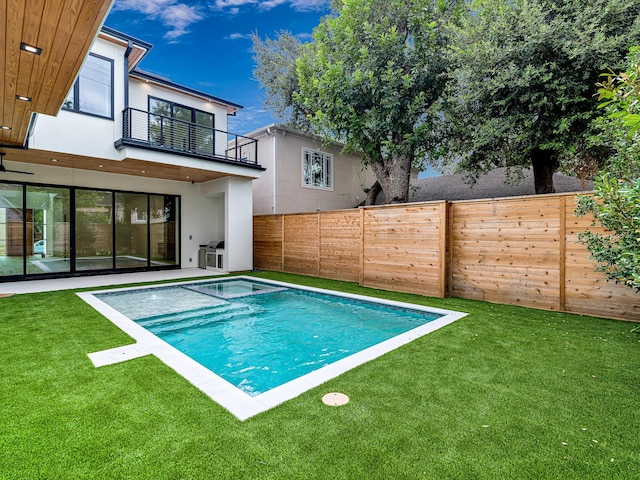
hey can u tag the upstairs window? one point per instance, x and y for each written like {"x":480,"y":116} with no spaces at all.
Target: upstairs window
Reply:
{"x":317,"y":169}
{"x":92,"y":92}
{"x":180,"y":127}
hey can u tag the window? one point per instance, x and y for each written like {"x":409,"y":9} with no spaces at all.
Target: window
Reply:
{"x":317,"y":169}
{"x":54,"y":230}
{"x":92,"y":93}
{"x":181,"y":128}
{"x":94,"y":230}
{"x":48,"y":216}
{"x":12,"y":231}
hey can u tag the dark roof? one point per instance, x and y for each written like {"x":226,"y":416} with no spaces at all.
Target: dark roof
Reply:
{"x":491,"y":185}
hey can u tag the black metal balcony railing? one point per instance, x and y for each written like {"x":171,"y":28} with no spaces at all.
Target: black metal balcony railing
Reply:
{"x":159,"y":132}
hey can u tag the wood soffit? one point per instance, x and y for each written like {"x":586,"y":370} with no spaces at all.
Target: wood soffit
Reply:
{"x":64,"y":30}
{"x":127,"y":166}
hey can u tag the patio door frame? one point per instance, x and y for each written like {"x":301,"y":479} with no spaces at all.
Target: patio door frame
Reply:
{"x":171,"y":246}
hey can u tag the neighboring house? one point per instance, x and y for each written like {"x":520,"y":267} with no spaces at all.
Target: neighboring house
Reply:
{"x":493,"y":184}
{"x":133,"y":173}
{"x":303,"y":174}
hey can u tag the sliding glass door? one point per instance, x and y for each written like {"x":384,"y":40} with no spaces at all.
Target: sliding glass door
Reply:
{"x":66,"y":230}
{"x":12,"y":230}
{"x":163,"y":229}
{"x":132,"y":230}
{"x":94,"y":230}
{"x":48,"y":221}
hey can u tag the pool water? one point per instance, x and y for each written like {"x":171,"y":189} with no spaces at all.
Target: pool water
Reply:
{"x":259,"y":336}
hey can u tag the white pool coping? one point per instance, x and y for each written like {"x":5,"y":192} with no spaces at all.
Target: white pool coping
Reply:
{"x":237,"y":402}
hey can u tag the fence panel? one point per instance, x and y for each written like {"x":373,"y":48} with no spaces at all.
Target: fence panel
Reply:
{"x":301,"y":244}
{"x":507,"y":251}
{"x":402,"y":248}
{"x":267,"y":242}
{"x":519,"y":251}
{"x":587,"y":292}
{"x":340,"y":245}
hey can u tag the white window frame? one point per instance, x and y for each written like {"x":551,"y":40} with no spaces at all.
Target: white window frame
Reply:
{"x":325,"y":162}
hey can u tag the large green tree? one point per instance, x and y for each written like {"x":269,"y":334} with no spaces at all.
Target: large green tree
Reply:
{"x":616,"y":204}
{"x":522,"y":86}
{"x":371,"y":77}
{"x":275,"y":70}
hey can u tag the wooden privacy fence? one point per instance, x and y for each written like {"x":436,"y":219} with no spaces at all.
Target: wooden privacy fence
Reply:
{"x":519,"y":251}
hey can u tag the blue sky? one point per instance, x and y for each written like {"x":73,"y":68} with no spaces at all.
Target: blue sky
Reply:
{"x":205,"y":45}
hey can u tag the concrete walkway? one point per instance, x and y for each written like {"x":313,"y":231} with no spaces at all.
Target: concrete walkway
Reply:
{"x":35,"y":286}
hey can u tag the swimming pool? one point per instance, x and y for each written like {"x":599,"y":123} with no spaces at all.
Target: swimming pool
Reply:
{"x":251,"y":344}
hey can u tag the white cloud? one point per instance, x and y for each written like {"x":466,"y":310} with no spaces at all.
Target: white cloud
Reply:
{"x":269,"y":4}
{"x":306,"y":5}
{"x":238,"y":36}
{"x":234,"y":3}
{"x":298,"y":5}
{"x":175,"y":15}
{"x":179,"y":16}
{"x":149,"y":7}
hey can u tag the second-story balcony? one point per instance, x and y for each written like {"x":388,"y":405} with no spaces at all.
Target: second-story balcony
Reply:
{"x":162,"y":133}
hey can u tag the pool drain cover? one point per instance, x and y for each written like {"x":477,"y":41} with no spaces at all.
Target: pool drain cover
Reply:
{"x":335,"y":399}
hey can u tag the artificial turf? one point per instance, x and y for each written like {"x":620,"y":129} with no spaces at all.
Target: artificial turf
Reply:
{"x":506,"y":392}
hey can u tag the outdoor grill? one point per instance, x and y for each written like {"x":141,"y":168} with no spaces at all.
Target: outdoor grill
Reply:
{"x":211,"y":255}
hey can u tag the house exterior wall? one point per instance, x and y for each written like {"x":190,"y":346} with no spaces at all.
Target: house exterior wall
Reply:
{"x":264,"y":200}
{"x":218,"y":210}
{"x":236,"y":199}
{"x":82,"y":134}
{"x":280,"y":188}
{"x":202,"y":216}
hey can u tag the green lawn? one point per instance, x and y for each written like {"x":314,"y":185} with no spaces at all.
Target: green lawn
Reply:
{"x":505,"y":392}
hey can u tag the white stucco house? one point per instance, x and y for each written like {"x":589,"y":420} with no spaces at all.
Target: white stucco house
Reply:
{"x":130,"y":172}
{"x":303,"y":174}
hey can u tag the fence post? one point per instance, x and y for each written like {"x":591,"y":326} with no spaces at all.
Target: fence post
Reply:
{"x":282,"y":217}
{"x":361,"y":267}
{"x":442,"y":250}
{"x":562,"y":277}
{"x":318,"y":226}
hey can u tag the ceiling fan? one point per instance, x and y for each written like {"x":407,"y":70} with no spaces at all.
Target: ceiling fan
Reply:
{"x":4,"y":169}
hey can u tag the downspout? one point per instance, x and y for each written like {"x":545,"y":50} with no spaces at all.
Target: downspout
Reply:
{"x":30,"y":129}
{"x":126,"y":74}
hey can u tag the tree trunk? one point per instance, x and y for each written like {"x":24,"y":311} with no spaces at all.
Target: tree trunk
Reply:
{"x":372,"y":193}
{"x":393,"y":175}
{"x":544,"y":166}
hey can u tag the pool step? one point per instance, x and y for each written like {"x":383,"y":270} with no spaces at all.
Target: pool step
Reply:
{"x":196,"y":318}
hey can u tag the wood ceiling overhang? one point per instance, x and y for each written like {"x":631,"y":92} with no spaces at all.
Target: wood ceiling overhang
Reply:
{"x":21,"y":159}
{"x":65,"y":31}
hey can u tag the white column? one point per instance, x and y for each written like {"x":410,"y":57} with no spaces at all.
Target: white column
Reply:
{"x":238,"y":237}
{"x":238,"y":220}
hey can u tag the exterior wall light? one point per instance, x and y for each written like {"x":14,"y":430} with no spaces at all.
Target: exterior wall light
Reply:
{"x":23,"y":98}
{"x":4,"y":127}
